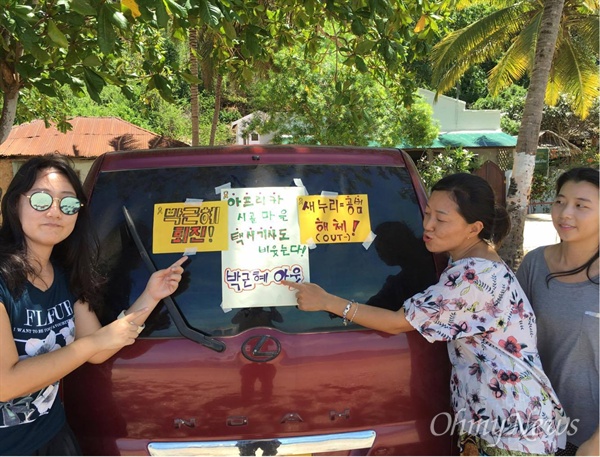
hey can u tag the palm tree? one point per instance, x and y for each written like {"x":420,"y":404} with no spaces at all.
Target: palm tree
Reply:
{"x":556,"y":43}
{"x":508,"y":36}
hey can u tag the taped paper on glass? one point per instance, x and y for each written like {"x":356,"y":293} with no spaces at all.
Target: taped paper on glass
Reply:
{"x":334,"y":219}
{"x":178,"y":227}
{"x":264,"y":247}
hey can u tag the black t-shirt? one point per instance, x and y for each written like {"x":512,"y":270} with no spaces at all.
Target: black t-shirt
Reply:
{"x":41,"y":321}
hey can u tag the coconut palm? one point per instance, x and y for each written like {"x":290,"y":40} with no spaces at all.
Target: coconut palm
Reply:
{"x":508,"y":36}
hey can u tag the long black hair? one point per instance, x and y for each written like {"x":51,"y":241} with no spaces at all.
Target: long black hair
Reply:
{"x":77,"y":254}
{"x":576,"y":175}
{"x":475,"y":200}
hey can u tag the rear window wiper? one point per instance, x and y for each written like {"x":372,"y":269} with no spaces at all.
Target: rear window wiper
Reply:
{"x":195,"y":335}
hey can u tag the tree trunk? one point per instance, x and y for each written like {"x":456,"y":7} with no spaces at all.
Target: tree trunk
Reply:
{"x":10,"y":83}
{"x":9,"y":111}
{"x":527,"y":141}
{"x":194,"y":87}
{"x":217,"y":110}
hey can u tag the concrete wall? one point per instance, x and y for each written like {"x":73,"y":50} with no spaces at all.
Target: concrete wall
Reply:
{"x":453,"y":115}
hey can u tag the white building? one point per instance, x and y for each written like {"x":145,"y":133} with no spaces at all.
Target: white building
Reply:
{"x":242,"y":136}
{"x":453,"y":115}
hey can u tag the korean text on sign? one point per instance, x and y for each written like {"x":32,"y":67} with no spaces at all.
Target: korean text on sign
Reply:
{"x":181,"y":226}
{"x":339,"y":219}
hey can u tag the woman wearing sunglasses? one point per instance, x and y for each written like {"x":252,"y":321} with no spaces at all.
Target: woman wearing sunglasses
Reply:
{"x":49,"y":296}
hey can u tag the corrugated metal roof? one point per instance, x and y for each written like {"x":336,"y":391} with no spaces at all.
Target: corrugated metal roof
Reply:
{"x":90,"y":137}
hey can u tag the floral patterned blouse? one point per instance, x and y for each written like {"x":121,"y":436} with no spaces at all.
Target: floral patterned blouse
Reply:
{"x":499,"y":391}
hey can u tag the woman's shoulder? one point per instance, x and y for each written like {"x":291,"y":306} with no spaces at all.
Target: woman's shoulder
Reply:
{"x":477,"y":263}
{"x":478,"y":267}
{"x":537,"y":255}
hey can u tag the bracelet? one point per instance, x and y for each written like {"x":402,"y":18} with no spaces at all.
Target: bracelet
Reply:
{"x":355,"y":311}
{"x":140,"y":327}
{"x":345,"y":313}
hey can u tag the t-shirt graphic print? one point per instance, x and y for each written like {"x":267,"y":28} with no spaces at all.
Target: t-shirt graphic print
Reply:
{"x":41,"y":321}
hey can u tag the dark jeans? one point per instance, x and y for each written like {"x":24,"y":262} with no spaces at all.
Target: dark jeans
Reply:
{"x":63,"y":443}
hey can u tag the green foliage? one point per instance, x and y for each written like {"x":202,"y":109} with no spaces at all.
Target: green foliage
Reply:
{"x":446,"y":163}
{"x":86,"y":44}
{"x":590,"y":157}
{"x":151,"y":112}
{"x":562,"y":120}
{"x":331,"y":103}
{"x":542,"y":188}
{"x":417,"y":127}
{"x":510,"y":102}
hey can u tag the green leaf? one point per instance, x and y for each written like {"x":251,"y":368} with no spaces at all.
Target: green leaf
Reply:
{"x":190,"y":79}
{"x":358,"y":28}
{"x":209,"y":13}
{"x":361,"y":65}
{"x":83,"y":7}
{"x":176,"y":9}
{"x":164,"y":89}
{"x":46,"y":87}
{"x":127,"y":92}
{"x":92,"y":61}
{"x":110,"y":78}
{"x":162,"y":16}
{"x":25,"y":12}
{"x":106,"y":32}
{"x":119,"y":19}
{"x":94,"y":84}
{"x":364,"y":47}
{"x":229,"y":30}
{"x":252,"y":42}
{"x":56,"y":35}
{"x":40,"y":54}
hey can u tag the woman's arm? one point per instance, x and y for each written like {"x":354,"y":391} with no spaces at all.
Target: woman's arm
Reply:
{"x":311,"y":297}
{"x":22,"y":377}
{"x":591,"y":446}
{"x":160,"y":285}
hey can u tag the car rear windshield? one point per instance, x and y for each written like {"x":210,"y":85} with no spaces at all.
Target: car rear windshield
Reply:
{"x":383,"y":272}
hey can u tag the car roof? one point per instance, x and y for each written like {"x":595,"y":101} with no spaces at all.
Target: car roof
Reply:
{"x":238,"y":154}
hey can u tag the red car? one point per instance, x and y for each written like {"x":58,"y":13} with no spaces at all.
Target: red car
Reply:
{"x":228,"y":365}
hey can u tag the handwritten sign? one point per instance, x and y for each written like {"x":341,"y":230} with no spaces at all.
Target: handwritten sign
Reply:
{"x":180,"y":226}
{"x":339,"y":219}
{"x":264,"y":247}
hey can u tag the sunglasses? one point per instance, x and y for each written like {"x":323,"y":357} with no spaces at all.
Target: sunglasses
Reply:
{"x":41,"y":201}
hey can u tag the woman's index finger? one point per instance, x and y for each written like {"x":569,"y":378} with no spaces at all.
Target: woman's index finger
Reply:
{"x":180,"y":261}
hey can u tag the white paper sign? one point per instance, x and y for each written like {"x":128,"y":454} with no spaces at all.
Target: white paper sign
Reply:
{"x":264,"y":247}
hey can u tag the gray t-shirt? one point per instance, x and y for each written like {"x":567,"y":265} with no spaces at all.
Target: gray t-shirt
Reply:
{"x":568,"y":329}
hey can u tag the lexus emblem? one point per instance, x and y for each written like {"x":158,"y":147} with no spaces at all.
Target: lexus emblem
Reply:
{"x":261,"y":348}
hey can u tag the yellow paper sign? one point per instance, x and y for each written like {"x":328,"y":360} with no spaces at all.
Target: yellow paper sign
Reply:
{"x":180,"y":226}
{"x":340,"y":219}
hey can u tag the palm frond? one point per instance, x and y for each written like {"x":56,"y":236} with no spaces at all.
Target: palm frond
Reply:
{"x":553,"y":88}
{"x":475,"y":43}
{"x":517,"y":60}
{"x":576,"y":74}
{"x":587,"y":29}
{"x":590,"y":5}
